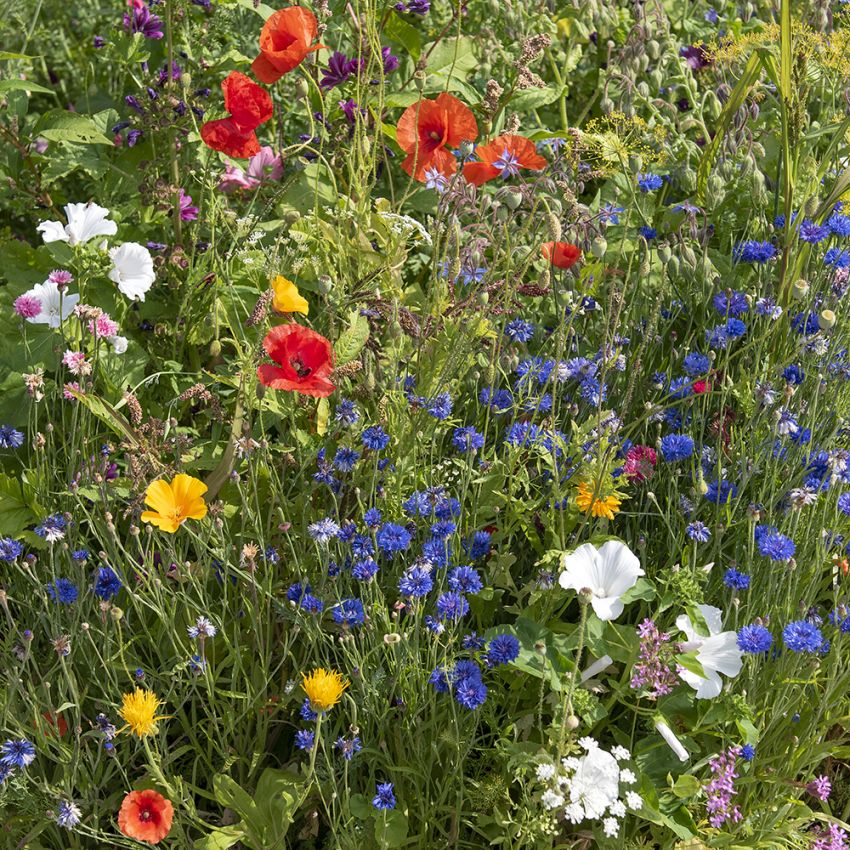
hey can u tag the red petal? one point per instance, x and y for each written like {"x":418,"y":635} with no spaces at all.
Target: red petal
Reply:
{"x":248,"y":104}
{"x":226,"y":136}
{"x":479,"y":173}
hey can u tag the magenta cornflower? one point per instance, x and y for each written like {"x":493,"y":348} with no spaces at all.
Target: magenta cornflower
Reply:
{"x":820,"y":787}
{"x":640,"y":463}
{"x":654,"y":669}
{"x":27,"y":306}
{"x":61,"y":278}
{"x":103,"y":326}
{"x":720,"y":789}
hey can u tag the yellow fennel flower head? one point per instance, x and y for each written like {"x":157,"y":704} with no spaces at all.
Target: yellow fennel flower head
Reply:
{"x":173,"y":503}
{"x":287,"y":298}
{"x":138,"y":710}
{"x":324,"y":688}
{"x":596,"y":504}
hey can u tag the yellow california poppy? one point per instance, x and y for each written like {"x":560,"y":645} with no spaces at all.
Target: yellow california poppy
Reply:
{"x":324,"y":688}
{"x":596,"y":504}
{"x":138,"y":710}
{"x":173,"y":503}
{"x":287,"y":298}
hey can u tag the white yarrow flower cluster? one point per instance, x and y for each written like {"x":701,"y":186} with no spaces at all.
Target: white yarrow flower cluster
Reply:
{"x":588,"y":787}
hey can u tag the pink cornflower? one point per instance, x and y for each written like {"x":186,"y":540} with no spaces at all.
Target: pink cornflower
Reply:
{"x":69,"y":389}
{"x":654,"y":670}
{"x":61,"y":278}
{"x":187,"y":211}
{"x":721,"y":788}
{"x":27,"y":306}
{"x":640,"y":463}
{"x":75,"y":362}
{"x":103,"y":326}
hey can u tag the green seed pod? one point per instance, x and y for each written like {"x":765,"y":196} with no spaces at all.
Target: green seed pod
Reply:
{"x":215,"y":348}
{"x":664,"y":254}
{"x":512,"y":199}
{"x":598,"y":247}
{"x":643,"y":89}
{"x":711,"y":105}
{"x":826,"y":320}
{"x":554,"y":223}
{"x":302,"y":89}
{"x":324,"y":284}
{"x":811,"y":205}
{"x":606,"y":105}
{"x":653,"y":49}
{"x":419,"y":80}
{"x":673,"y":266}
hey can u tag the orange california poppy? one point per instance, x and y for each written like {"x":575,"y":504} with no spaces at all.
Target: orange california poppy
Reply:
{"x":146,"y":816}
{"x":503,"y":157}
{"x":286,"y":39}
{"x":562,"y":255}
{"x":249,"y":106}
{"x":172,"y":504}
{"x":428,"y":128}
{"x":305,"y":361}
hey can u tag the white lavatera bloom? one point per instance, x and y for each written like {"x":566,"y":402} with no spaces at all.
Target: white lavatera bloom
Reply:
{"x":56,"y":304}
{"x":607,"y":572}
{"x":85,"y":221}
{"x":718,"y":653}
{"x":132,"y":270}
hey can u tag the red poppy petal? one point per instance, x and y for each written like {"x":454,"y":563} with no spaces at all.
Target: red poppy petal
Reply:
{"x":461,"y":124}
{"x":264,"y":71}
{"x":479,"y":173}
{"x":248,"y":104}
{"x":226,"y":136}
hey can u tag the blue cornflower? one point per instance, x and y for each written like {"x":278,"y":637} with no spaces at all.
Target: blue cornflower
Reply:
{"x":837,"y":257}
{"x":794,"y":374}
{"x":467,"y":439}
{"x":649,"y":182}
{"x":80,"y":555}
{"x":443,"y":528}
{"x":374,"y":437}
{"x":735,"y":328}
{"x":305,"y":739}
{"x":440,"y":407}
{"x":473,"y":642}
{"x":731,"y":303}
{"x":416,"y":582}
{"x":52,"y":528}
{"x":802,"y":636}
{"x":311,"y":604}
{"x":372,"y":517}
{"x":843,"y":506}
{"x":63,"y":591}
{"x":18,"y":753}
{"x":107,"y":583}
{"x":452,"y":606}
{"x":349,"y":613}
{"x":364,"y":570}
{"x":349,"y":747}
{"x":677,"y":447}
{"x":324,"y":530}
{"x":362,"y":546}
{"x":10,"y":438}
{"x":344,"y":459}
{"x":776,"y":546}
{"x":346,"y":412}
{"x":479,"y":546}
{"x":468,"y":688}
{"x":440,"y":680}
{"x":696,"y":364}
{"x":754,"y":639}
{"x":392,"y":537}
{"x":806,"y":323}
{"x":593,"y":391}
{"x":498,"y":400}
{"x":465,"y":579}
{"x":436,"y":551}
{"x":502,"y":650}
{"x":813,"y":233}
{"x":681,"y":387}
{"x":735,"y":580}
{"x":839,"y":224}
{"x":698,"y":531}
{"x":10,"y":549}
{"x":748,"y":752}
{"x":307,"y":712}
{"x":754,"y":252}
{"x":68,"y":814}
{"x":384,"y":799}
{"x":648,"y":233}
{"x":296,"y":591}
{"x":519,"y":330}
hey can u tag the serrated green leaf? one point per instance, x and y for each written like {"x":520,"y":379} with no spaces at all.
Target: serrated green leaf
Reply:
{"x":59,"y":125}
{"x":352,"y":339}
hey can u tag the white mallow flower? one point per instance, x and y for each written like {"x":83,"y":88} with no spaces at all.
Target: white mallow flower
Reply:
{"x":607,"y":573}
{"x":85,"y":221}
{"x":596,"y":782}
{"x":552,"y":799}
{"x":718,"y":653}
{"x":634,"y":800}
{"x":132,"y":270}
{"x":56,"y":305}
{"x":545,"y":772}
{"x":118,"y":343}
{"x":597,"y":667}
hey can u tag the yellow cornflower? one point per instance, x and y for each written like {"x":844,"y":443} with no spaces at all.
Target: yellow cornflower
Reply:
{"x":597,"y":505}
{"x":138,"y":710}
{"x":324,"y":688}
{"x":287,"y":298}
{"x":174,"y":503}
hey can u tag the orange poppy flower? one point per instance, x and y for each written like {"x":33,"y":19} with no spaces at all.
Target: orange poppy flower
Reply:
{"x":428,"y":128}
{"x":562,"y":255}
{"x":249,"y":106}
{"x":285,"y":41}
{"x":503,"y":157}
{"x":305,"y":361}
{"x":146,"y":816}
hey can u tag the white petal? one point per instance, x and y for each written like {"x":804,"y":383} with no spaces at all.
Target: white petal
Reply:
{"x":85,"y":221}
{"x":620,"y":568}
{"x":721,"y":653}
{"x":684,"y":624}
{"x":581,"y":568}
{"x":607,"y":607}
{"x":713,"y":618}
{"x":52,"y":231}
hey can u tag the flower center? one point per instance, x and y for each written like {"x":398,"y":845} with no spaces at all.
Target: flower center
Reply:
{"x":433,"y":134}
{"x":298,"y":365}
{"x":145,"y":815}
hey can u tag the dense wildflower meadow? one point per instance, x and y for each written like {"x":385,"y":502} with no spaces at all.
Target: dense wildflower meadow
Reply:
{"x":425,"y":424}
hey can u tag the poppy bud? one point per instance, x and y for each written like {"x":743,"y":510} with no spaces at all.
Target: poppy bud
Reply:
{"x":606,"y":105}
{"x":419,"y":81}
{"x":215,"y":348}
{"x":598,"y":247}
{"x":664,"y":254}
{"x":653,"y":49}
{"x":512,"y":199}
{"x":301,"y":88}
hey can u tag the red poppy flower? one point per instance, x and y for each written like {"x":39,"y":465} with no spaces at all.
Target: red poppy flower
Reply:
{"x":503,"y":157}
{"x":305,"y":361}
{"x":427,"y":128}
{"x":57,"y":722}
{"x":562,"y":255}
{"x":285,"y":41}
{"x":146,"y":816}
{"x":249,"y":106}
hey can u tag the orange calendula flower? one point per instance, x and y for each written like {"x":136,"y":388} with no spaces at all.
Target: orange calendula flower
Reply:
{"x":286,"y":39}
{"x":146,"y":816}
{"x":428,"y":130}
{"x":287,"y":298}
{"x":503,"y":157}
{"x":173,"y":503}
{"x":596,"y":504}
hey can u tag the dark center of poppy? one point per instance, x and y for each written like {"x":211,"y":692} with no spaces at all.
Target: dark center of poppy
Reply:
{"x":298,"y":365}
{"x":435,"y":135}
{"x":145,"y":815}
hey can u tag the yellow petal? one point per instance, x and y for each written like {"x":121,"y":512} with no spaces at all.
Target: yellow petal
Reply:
{"x":287,"y":299}
{"x":160,"y":496}
{"x":161,"y":522}
{"x":187,"y":490}
{"x":195,"y":510}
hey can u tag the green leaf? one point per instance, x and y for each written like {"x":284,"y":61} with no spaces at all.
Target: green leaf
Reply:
{"x":529,"y":99}
{"x":6,"y":55}
{"x":229,"y":793}
{"x":359,"y":806}
{"x":643,"y":589}
{"x":452,"y":56}
{"x":221,"y":839}
{"x":352,"y":339}
{"x":278,"y":796}
{"x":391,"y":828}
{"x":398,"y":30}
{"x":22,"y":85}
{"x":261,"y":9}
{"x":686,"y":786}
{"x":18,"y":507}
{"x":688,"y":660}
{"x":59,"y":125}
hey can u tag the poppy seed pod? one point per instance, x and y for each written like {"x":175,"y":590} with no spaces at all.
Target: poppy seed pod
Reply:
{"x":826,"y":320}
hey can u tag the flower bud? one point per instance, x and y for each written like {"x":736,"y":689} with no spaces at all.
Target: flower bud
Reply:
{"x":826,"y":320}
{"x":598,"y":247}
{"x":800,"y":289}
